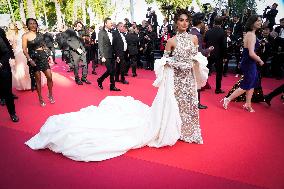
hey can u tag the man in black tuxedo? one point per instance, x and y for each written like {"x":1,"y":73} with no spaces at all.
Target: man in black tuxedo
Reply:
{"x":216,"y":37}
{"x":271,"y":15}
{"x":6,"y":54}
{"x":78,"y":52}
{"x":237,"y":28}
{"x":105,"y":42}
{"x":120,"y":51}
{"x":94,"y":49}
{"x":198,"y":25}
{"x":132,"y":46}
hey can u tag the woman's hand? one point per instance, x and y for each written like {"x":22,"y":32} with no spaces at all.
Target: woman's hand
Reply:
{"x":261,"y":63}
{"x":50,"y":60}
{"x":33,"y":64}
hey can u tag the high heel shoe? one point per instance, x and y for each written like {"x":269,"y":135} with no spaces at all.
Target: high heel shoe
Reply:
{"x":226,"y":102}
{"x":51,"y":99}
{"x":42,"y":103}
{"x":248,"y":108}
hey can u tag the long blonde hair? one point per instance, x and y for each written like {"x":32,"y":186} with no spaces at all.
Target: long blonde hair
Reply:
{"x":12,"y":34}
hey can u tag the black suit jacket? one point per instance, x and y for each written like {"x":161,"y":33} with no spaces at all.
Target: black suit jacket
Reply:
{"x":270,"y":15}
{"x":105,"y":46}
{"x":132,"y":43}
{"x":118,"y":44}
{"x":237,"y":30}
{"x":216,"y":37}
{"x":203,"y":51}
{"x":6,"y":53}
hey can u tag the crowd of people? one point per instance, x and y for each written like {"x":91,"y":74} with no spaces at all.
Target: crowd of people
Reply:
{"x":26,"y":52}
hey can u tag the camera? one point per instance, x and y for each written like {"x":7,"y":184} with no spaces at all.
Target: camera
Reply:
{"x":149,"y":8}
{"x":268,"y":7}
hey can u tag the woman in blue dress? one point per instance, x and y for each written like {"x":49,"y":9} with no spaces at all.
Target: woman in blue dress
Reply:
{"x":248,"y":64}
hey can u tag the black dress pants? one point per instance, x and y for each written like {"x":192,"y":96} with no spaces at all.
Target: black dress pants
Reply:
{"x":6,"y":90}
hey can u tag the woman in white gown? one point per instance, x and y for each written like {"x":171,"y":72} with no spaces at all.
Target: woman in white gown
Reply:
{"x":95,"y":134}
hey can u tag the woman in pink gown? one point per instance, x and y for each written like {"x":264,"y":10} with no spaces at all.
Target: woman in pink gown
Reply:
{"x":20,"y":69}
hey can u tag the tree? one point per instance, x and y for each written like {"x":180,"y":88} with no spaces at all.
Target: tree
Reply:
{"x":58,"y":14}
{"x":22,"y":10}
{"x":175,"y":3}
{"x":30,"y":9}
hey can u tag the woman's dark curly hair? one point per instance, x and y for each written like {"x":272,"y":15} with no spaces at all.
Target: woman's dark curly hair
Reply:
{"x":180,"y":12}
{"x":251,"y":20}
{"x":28,"y":20}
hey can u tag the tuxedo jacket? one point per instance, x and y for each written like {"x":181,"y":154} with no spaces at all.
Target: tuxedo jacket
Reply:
{"x":105,"y":46}
{"x":237,"y":30}
{"x":216,"y":37}
{"x":6,"y":53}
{"x":203,"y":51}
{"x":118,"y":44}
{"x":132,"y":43}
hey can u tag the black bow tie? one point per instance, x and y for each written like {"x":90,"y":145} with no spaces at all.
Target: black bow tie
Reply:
{"x":109,"y":31}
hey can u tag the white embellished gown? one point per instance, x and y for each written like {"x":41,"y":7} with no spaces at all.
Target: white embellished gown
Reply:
{"x":119,"y":123}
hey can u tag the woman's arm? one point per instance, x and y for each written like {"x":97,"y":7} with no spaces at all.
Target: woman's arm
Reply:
{"x":251,"y":39}
{"x":171,"y":45}
{"x":25,"y":49}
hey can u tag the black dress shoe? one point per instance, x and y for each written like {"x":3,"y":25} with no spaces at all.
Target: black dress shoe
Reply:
{"x":200,"y":106}
{"x":124,"y":82}
{"x":126,"y":74}
{"x":2,"y":102}
{"x":114,"y":89}
{"x":117,"y":80}
{"x":219,"y":91}
{"x":100,"y":84}
{"x":267,"y":100}
{"x":14,"y":118}
{"x":86,"y":81}
{"x":78,"y":82}
{"x":94,"y":72}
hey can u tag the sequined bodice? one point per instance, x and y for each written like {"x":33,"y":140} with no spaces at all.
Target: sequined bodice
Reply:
{"x":37,"y":42}
{"x":185,"y":49}
{"x":185,"y":87}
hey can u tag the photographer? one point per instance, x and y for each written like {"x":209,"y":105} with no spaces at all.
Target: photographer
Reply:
{"x":237,"y":28}
{"x":270,"y":15}
{"x":149,"y":45}
{"x":278,"y":51}
{"x":152,"y":18}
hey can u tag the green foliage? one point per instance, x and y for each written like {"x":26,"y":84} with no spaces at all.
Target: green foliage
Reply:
{"x":175,"y":3}
{"x":4,"y":8}
{"x":238,"y":6}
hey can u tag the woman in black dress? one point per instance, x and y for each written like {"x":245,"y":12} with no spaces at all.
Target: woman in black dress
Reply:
{"x":38,"y":57}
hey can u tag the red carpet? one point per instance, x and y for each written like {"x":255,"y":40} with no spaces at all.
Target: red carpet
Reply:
{"x":240,"y":150}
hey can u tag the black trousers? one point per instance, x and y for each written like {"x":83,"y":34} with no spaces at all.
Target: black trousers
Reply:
{"x":6,"y":90}
{"x":133,"y":63}
{"x":276,"y":91}
{"x":109,"y":72}
{"x":121,"y":67}
{"x":218,"y":63}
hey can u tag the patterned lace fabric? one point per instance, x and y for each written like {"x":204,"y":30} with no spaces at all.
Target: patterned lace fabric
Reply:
{"x":185,"y":88}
